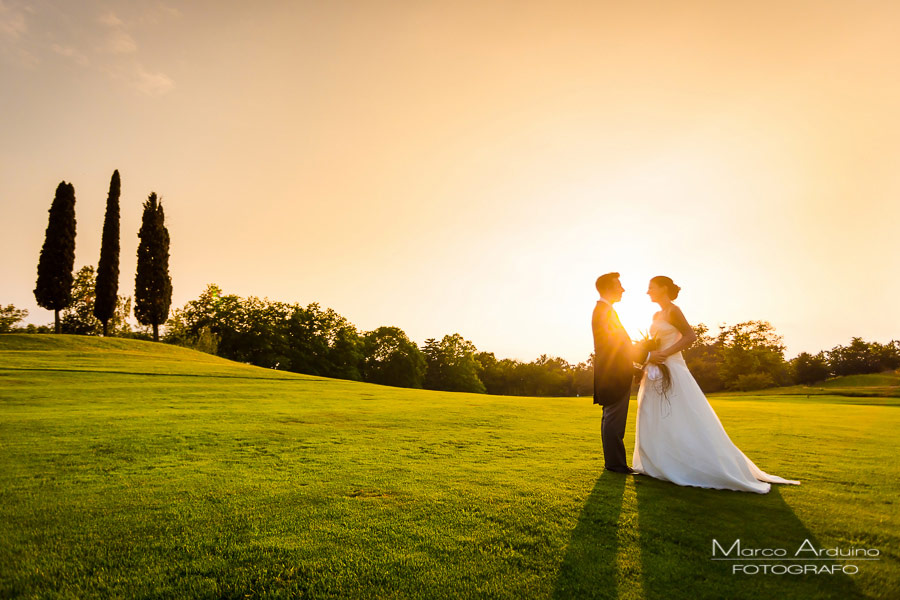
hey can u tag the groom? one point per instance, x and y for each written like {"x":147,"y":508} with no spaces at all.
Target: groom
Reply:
{"x":613,"y":372}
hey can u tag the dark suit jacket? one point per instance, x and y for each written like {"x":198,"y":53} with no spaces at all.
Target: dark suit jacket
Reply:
{"x":613,"y":367}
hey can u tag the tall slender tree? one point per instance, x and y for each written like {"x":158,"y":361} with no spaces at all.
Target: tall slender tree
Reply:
{"x":152,"y":284}
{"x":53,"y":290}
{"x":108,"y":268}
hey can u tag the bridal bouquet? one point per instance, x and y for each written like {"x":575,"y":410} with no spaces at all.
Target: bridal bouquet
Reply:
{"x":659,"y":374}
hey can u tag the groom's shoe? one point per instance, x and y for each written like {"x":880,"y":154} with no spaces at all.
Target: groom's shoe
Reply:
{"x":623,"y":470}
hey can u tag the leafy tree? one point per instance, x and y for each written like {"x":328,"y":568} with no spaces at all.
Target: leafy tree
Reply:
{"x":498,"y":377}
{"x":260,"y":333}
{"x":238,"y":329}
{"x":108,"y":267}
{"x":250,"y":329}
{"x":322,"y":342}
{"x":270,"y":334}
{"x":853,"y":359}
{"x":78,"y":318}
{"x":863,"y":357}
{"x":752,"y":356}
{"x":452,"y":365}
{"x":345,"y":352}
{"x":32,"y":328}
{"x":584,"y":377}
{"x":153,"y":286}
{"x":549,"y":376}
{"x":390,"y":358}
{"x":54,"y":282}
{"x":545,"y":376}
{"x":888,"y":354}
{"x":809,"y":369}
{"x":9,"y":316}
{"x":212,"y":310}
{"x":704,"y":358}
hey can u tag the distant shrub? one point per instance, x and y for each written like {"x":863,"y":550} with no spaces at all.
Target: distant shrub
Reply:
{"x":146,"y":336}
{"x":753,"y":381}
{"x":207,"y":341}
{"x":9,"y":316}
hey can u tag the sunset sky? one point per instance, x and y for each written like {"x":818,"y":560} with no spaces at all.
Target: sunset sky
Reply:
{"x":472,"y":167}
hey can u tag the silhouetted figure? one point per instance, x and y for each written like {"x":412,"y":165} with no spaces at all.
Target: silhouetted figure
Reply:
{"x":613,"y":372}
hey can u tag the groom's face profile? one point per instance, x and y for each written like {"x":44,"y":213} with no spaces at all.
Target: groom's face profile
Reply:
{"x":614,"y":292}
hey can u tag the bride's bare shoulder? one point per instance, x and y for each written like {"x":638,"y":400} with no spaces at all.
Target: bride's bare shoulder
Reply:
{"x":677,"y":318}
{"x":675,"y":311}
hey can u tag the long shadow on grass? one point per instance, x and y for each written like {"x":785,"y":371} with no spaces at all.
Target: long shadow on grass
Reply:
{"x":676,"y":527}
{"x":589,"y":567}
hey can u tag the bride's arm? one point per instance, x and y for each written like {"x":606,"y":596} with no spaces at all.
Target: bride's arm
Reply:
{"x":688,"y":337}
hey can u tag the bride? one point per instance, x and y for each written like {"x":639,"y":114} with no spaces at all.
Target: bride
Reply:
{"x":679,"y":437}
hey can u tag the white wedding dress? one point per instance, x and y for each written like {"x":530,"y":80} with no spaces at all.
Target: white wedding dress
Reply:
{"x":680,"y":439}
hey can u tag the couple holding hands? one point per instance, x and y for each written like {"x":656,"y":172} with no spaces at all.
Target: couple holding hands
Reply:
{"x":678,"y":437}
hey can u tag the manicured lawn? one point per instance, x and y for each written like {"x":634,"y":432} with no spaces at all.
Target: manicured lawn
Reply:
{"x":133,"y":469}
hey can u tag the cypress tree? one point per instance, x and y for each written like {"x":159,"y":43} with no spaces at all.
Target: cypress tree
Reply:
{"x":53,"y":290}
{"x":152,"y":284}
{"x":108,"y":267}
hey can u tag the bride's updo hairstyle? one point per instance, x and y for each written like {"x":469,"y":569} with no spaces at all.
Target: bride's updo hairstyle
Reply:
{"x":667,"y":283}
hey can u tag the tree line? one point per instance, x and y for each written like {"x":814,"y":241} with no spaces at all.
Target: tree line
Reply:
{"x":58,"y":288}
{"x":750,"y":356}
{"x":319,"y":341}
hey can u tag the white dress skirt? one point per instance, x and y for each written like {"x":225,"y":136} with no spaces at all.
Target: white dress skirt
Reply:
{"x":679,"y":437}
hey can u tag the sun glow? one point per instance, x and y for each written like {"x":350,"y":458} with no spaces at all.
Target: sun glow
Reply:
{"x":636,"y":311}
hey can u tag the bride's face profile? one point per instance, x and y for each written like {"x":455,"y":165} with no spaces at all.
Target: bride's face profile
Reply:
{"x":657,"y":292}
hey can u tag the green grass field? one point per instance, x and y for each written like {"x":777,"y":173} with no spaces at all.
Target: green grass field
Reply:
{"x":132,"y":469}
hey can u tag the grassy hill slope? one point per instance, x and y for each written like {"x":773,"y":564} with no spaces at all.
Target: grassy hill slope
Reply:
{"x":871,"y":385}
{"x":138,"y":469}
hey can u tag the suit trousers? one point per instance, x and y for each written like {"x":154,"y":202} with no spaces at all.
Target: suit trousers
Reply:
{"x":612,"y":433}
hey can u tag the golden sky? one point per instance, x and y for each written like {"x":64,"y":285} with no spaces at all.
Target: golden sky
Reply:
{"x":472,"y":167}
